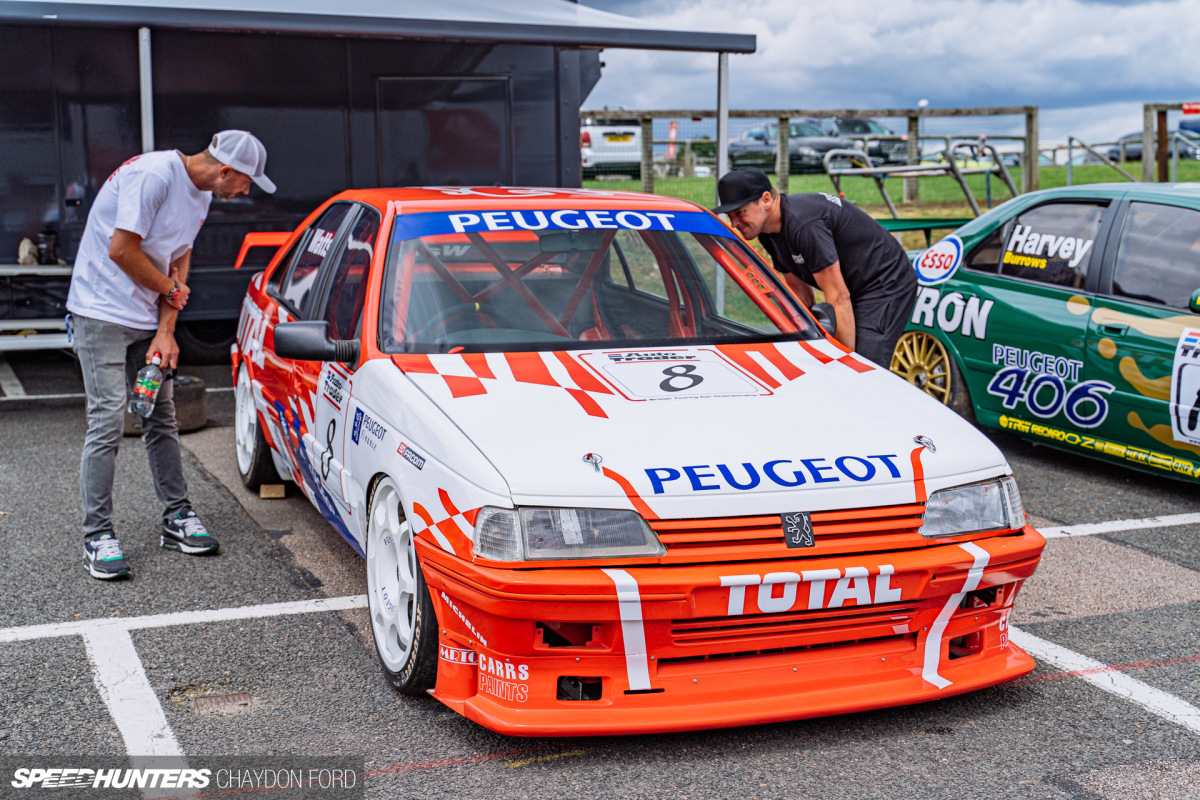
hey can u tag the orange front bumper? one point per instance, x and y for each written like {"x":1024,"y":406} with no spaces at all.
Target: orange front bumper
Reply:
{"x":591,"y":650}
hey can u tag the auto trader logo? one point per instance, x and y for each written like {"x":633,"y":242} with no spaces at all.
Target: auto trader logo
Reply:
{"x":63,"y":778}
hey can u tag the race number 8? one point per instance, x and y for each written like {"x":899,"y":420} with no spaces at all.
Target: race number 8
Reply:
{"x":683,"y":372}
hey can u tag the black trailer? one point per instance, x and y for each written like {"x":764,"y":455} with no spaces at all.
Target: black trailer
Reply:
{"x":352,"y":93}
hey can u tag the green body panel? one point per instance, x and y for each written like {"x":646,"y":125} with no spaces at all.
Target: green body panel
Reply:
{"x":1100,"y":367}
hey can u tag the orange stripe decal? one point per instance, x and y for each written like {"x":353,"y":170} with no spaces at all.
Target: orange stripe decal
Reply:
{"x":588,"y":402}
{"x":739,"y":356}
{"x":462,"y":386}
{"x":854,"y":364}
{"x":423,"y":514}
{"x":919,"y":474}
{"x":583,"y":379}
{"x":478,"y":364}
{"x":780,"y":362}
{"x":529,"y":368}
{"x":815,"y":353}
{"x":447,"y":503}
{"x":416,"y":362}
{"x":631,"y":493}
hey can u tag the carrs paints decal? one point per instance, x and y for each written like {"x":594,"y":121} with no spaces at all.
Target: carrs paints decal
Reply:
{"x":500,"y":679}
{"x":1185,"y":388}
{"x":939,"y":262}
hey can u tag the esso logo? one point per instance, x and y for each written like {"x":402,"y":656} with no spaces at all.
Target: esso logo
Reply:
{"x":938,"y":263}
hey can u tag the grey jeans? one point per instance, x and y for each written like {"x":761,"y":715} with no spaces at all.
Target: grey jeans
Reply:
{"x":110,"y":356}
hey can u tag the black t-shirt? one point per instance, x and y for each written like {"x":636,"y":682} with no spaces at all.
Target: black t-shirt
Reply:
{"x":818,"y":229}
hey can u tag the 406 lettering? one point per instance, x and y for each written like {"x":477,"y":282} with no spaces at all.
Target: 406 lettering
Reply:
{"x":1085,"y":404}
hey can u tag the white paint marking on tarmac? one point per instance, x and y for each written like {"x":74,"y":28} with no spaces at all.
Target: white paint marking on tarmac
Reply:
{"x":10,"y":384}
{"x":128,"y":694}
{"x":81,"y":627}
{"x":1156,"y":701}
{"x":1118,"y":525}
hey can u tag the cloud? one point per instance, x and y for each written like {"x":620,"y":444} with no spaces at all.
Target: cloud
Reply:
{"x":1057,"y":54}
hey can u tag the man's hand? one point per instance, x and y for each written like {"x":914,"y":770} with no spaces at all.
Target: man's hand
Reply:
{"x":164,"y":344}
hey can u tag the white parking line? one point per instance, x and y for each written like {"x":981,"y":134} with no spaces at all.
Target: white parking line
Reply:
{"x":121,"y":678}
{"x":9,"y":382}
{"x":1156,"y":701}
{"x":1117,"y":525}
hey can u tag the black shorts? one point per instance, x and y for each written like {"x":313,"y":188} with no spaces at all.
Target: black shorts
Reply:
{"x":879,"y":323}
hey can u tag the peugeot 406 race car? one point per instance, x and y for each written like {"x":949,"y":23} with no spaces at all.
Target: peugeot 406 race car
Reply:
{"x":608,"y":476}
{"x":1070,"y":316}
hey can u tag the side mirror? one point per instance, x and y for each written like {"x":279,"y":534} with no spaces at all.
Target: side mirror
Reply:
{"x":1194,"y":304}
{"x":310,"y":341}
{"x":823,"y":312}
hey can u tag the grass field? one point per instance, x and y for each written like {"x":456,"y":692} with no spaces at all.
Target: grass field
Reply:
{"x":940,"y":196}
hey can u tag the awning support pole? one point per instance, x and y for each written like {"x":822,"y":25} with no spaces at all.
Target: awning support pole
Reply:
{"x":146,"y":88}
{"x":722,"y":156}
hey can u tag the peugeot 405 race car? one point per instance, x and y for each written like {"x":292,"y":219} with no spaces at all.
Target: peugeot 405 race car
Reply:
{"x":609,"y":476}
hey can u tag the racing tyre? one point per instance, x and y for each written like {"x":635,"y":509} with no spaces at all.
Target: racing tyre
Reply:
{"x":403,"y":622}
{"x":922,"y":360}
{"x":255,"y":465}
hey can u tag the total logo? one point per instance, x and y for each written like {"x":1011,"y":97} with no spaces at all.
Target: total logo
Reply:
{"x":777,"y":592}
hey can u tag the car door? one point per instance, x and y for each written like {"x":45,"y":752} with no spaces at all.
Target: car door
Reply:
{"x":1026,"y":302}
{"x":328,"y":386}
{"x":1138,"y":334}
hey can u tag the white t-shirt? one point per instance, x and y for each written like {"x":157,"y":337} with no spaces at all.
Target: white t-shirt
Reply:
{"x":150,"y":195}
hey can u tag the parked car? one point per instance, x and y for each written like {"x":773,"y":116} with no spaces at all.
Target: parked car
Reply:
{"x":892,"y":151}
{"x":1070,"y":316}
{"x":1132,"y":142}
{"x":807,"y":145}
{"x":536,"y":418}
{"x":610,"y":147}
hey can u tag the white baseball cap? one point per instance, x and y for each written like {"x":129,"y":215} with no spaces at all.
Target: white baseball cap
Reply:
{"x":245,"y":153}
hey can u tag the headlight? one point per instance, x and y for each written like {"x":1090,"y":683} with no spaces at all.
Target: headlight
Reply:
{"x":979,"y":507}
{"x":506,"y":534}
{"x":805,"y":150}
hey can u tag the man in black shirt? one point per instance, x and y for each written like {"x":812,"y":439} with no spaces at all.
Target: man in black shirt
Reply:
{"x":820,"y":240}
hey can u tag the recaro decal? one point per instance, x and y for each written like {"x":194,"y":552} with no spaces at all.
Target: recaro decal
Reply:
{"x":952,"y":312}
{"x":1026,"y":241}
{"x":1185,"y":388}
{"x":782,"y":472}
{"x":1137,"y":455}
{"x":939,"y":262}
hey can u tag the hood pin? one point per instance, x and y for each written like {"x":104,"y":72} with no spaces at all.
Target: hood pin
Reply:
{"x":925,"y":442}
{"x":594,"y":459}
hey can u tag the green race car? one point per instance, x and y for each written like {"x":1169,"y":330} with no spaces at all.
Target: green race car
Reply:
{"x":1070,"y":316}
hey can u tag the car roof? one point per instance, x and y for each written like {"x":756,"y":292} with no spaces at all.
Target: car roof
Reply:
{"x":448,"y":198}
{"x":1189,"y":191}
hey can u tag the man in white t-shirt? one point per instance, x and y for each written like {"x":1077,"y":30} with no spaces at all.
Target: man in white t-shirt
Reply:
{"x":127,"y":288}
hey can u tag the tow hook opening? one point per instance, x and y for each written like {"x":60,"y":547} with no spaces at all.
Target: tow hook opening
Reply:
{"x":980,"y":598}
{"x":969,"y":645}
{"x":566,"y":634}
{"x":571,"y":687}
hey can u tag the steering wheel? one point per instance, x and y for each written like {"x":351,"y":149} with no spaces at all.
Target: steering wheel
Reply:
{"x":447,"y":316}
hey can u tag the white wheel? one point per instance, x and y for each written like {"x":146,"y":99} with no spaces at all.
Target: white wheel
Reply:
{"x":255,"y":465}
{"x":402,"y":618}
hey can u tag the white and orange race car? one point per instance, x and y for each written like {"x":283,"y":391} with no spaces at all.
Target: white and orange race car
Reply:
{"x":609,"y":476}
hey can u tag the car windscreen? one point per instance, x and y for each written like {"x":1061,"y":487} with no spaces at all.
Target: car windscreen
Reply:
{"x":502,"y":281}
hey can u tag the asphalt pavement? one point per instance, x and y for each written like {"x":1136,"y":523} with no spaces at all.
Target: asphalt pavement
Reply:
{"x":310,"y":684}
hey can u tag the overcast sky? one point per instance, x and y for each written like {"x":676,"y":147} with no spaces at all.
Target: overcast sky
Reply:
{"x":1088,"y":64}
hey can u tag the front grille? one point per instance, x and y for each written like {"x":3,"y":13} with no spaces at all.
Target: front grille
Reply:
{"x":857,"y":530}
{"x":808,"y":627}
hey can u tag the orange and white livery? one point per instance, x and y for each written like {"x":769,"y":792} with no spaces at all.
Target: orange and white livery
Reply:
{"x":608,"y":476}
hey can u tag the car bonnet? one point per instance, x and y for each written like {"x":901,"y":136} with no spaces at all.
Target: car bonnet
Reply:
{"x":767,"y":428}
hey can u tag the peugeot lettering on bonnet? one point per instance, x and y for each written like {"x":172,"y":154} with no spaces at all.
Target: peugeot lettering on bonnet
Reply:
{"x":608,"y":476}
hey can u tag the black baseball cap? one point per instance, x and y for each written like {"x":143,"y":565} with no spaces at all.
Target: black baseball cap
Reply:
{"x":739,"y":186}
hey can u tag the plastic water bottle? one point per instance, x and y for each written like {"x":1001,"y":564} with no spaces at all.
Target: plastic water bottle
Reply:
{"x":145,"y":388}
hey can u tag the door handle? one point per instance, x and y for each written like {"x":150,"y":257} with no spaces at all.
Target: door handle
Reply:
{"x":1114,"y":330}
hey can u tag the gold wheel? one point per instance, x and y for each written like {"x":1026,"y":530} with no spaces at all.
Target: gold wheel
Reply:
{"x":922,"y":360}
